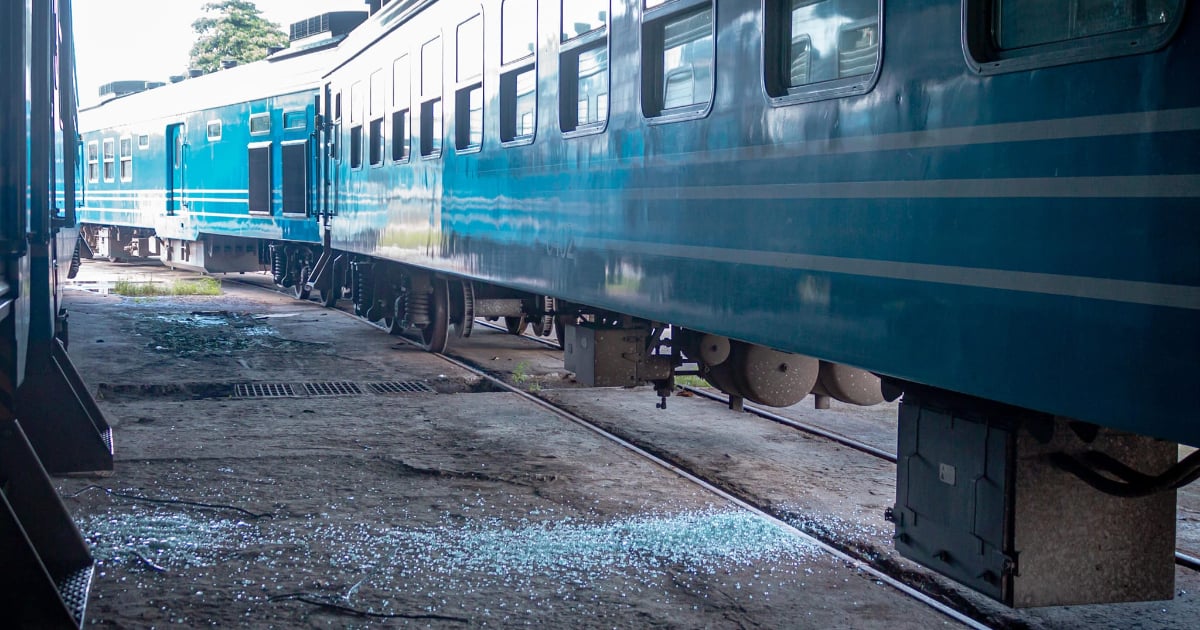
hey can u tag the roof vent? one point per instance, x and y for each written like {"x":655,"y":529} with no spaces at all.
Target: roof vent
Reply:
{"x":335,"y":24}
{"x":228,"y":63}
{"x":195,"y":72}
{"x":118,"y":89}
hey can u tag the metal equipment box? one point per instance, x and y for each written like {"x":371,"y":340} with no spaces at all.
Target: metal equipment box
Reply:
{"x":980,"y":499}
{"x":604,"y":356}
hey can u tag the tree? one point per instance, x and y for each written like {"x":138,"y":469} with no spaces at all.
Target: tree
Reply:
{"x":237,"y":32}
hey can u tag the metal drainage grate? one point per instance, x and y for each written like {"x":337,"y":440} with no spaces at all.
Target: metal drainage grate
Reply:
{"x":263,"y":390}
{"x":401,"y":387}
{"x":332,"y":389}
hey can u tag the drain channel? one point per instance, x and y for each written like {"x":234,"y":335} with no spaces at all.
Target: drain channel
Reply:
{"x":329,"y":388}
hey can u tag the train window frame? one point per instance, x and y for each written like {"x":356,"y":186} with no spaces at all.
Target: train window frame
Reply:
{"x":431,"y":140}
{"x":571,"y":50}
{"x":512,"y":69}
{"x":288,"y":172}
{"x":356,"y":126}
{"x":290,"y":118}
{"x":985,"y":56}
{"x":778,"y":94}
{"x":125,"y":154}
{"x":377,"y":111}
{"x":468,"y":89}
{"x":656,"y":18}
{"x":93,"y":162}
{"x":143,"y":141}
{"x":255,"y":124}
{"x":213,"y":130}
{"x":260,"y":190}
{"x":401,"y":127}
{"x":109,"y":156}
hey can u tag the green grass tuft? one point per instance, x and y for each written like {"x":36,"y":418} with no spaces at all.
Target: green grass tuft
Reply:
{"x":197,"y":286}
{"x":690,"y":380}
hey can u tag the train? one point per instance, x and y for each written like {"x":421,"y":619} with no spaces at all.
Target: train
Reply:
{"x":984,"y":209}
{"x":49,"y":422}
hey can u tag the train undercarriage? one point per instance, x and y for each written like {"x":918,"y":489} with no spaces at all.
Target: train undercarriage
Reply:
{"x":995,"y":497}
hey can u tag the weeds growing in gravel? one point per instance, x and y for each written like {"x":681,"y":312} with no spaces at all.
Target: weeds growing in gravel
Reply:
{"x":198,"y":286}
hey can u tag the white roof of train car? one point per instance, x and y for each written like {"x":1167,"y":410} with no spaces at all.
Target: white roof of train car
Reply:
{"x":240,"y":84}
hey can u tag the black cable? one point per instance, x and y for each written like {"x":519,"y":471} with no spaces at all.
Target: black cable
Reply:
{"x":1132,"y":483}
{"x":309,"y":598}
{"x":211,"y":506}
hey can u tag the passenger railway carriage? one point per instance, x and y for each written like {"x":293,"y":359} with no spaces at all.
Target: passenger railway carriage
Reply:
{"x":49,"y":422}
{"x":988,"y":203}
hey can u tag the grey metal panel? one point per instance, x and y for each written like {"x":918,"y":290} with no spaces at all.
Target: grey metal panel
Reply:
{"x":951,"y":495}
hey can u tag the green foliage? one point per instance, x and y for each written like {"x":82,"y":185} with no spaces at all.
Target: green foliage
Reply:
{"x":237,"y":31}
{"x":689,"y":380}
{"x":199,"y":286}
{"x":520,"y":373}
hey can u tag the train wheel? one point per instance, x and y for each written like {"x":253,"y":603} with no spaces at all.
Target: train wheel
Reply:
{"x":463,"y":301}
{"x":436,"y":334}
{"x":516,"y":325}
{"x":301,"y":290}
{"x":545,"y":323}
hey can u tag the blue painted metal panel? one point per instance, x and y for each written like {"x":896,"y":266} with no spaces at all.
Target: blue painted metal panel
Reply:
{"x":1028,"y":237}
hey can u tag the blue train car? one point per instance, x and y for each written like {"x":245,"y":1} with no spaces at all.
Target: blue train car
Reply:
{"x":985,"y":206}
{"x":871,"y":185}
{"x":209,"y":168}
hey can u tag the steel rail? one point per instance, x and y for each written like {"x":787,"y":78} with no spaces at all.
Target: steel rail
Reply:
{"x":1182,"y":559}
{"x":852,"y":561}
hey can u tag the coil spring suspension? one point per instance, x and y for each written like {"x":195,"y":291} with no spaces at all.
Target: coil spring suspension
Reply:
{"x":362,"y":291}
{"x":417,"y":308}
{"x":278,"y":265}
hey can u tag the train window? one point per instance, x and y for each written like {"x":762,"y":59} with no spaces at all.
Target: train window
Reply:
{"x":817,"y":49}
{"x":518,"y":79}
{"x":109,"y":160}
{"x":126,"y":159}
{"x":378,"y":106}
{"x":401,"y":102}
{"x":93,"y":162}
{"x":259,"y":174}
{"x":260,"y":124}
{"x":583,"y":67}
{"x":468,"y":96}
{"x":356,"y":125}
{"x":431,"y":98}
{"x":143,"y":141}
{"x":519,"y":25}
{"x":1010,"y":35}
{"x":294,"y":158}
{"x":214,"y":130}
{"x":294,"y":120}
{"x":580,"y":17}
{"x":677,"y":59}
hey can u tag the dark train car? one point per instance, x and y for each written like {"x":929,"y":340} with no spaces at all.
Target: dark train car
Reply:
{"x":48,"y":421}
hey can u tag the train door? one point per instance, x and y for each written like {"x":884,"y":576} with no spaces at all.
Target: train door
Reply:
{"x":175,"y":167}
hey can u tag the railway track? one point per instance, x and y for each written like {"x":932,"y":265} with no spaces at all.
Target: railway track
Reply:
{"x":1182,"y":558}
{"x":842,"y":552}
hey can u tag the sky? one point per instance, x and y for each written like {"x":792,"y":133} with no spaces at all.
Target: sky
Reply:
{"x":118,"y":40}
